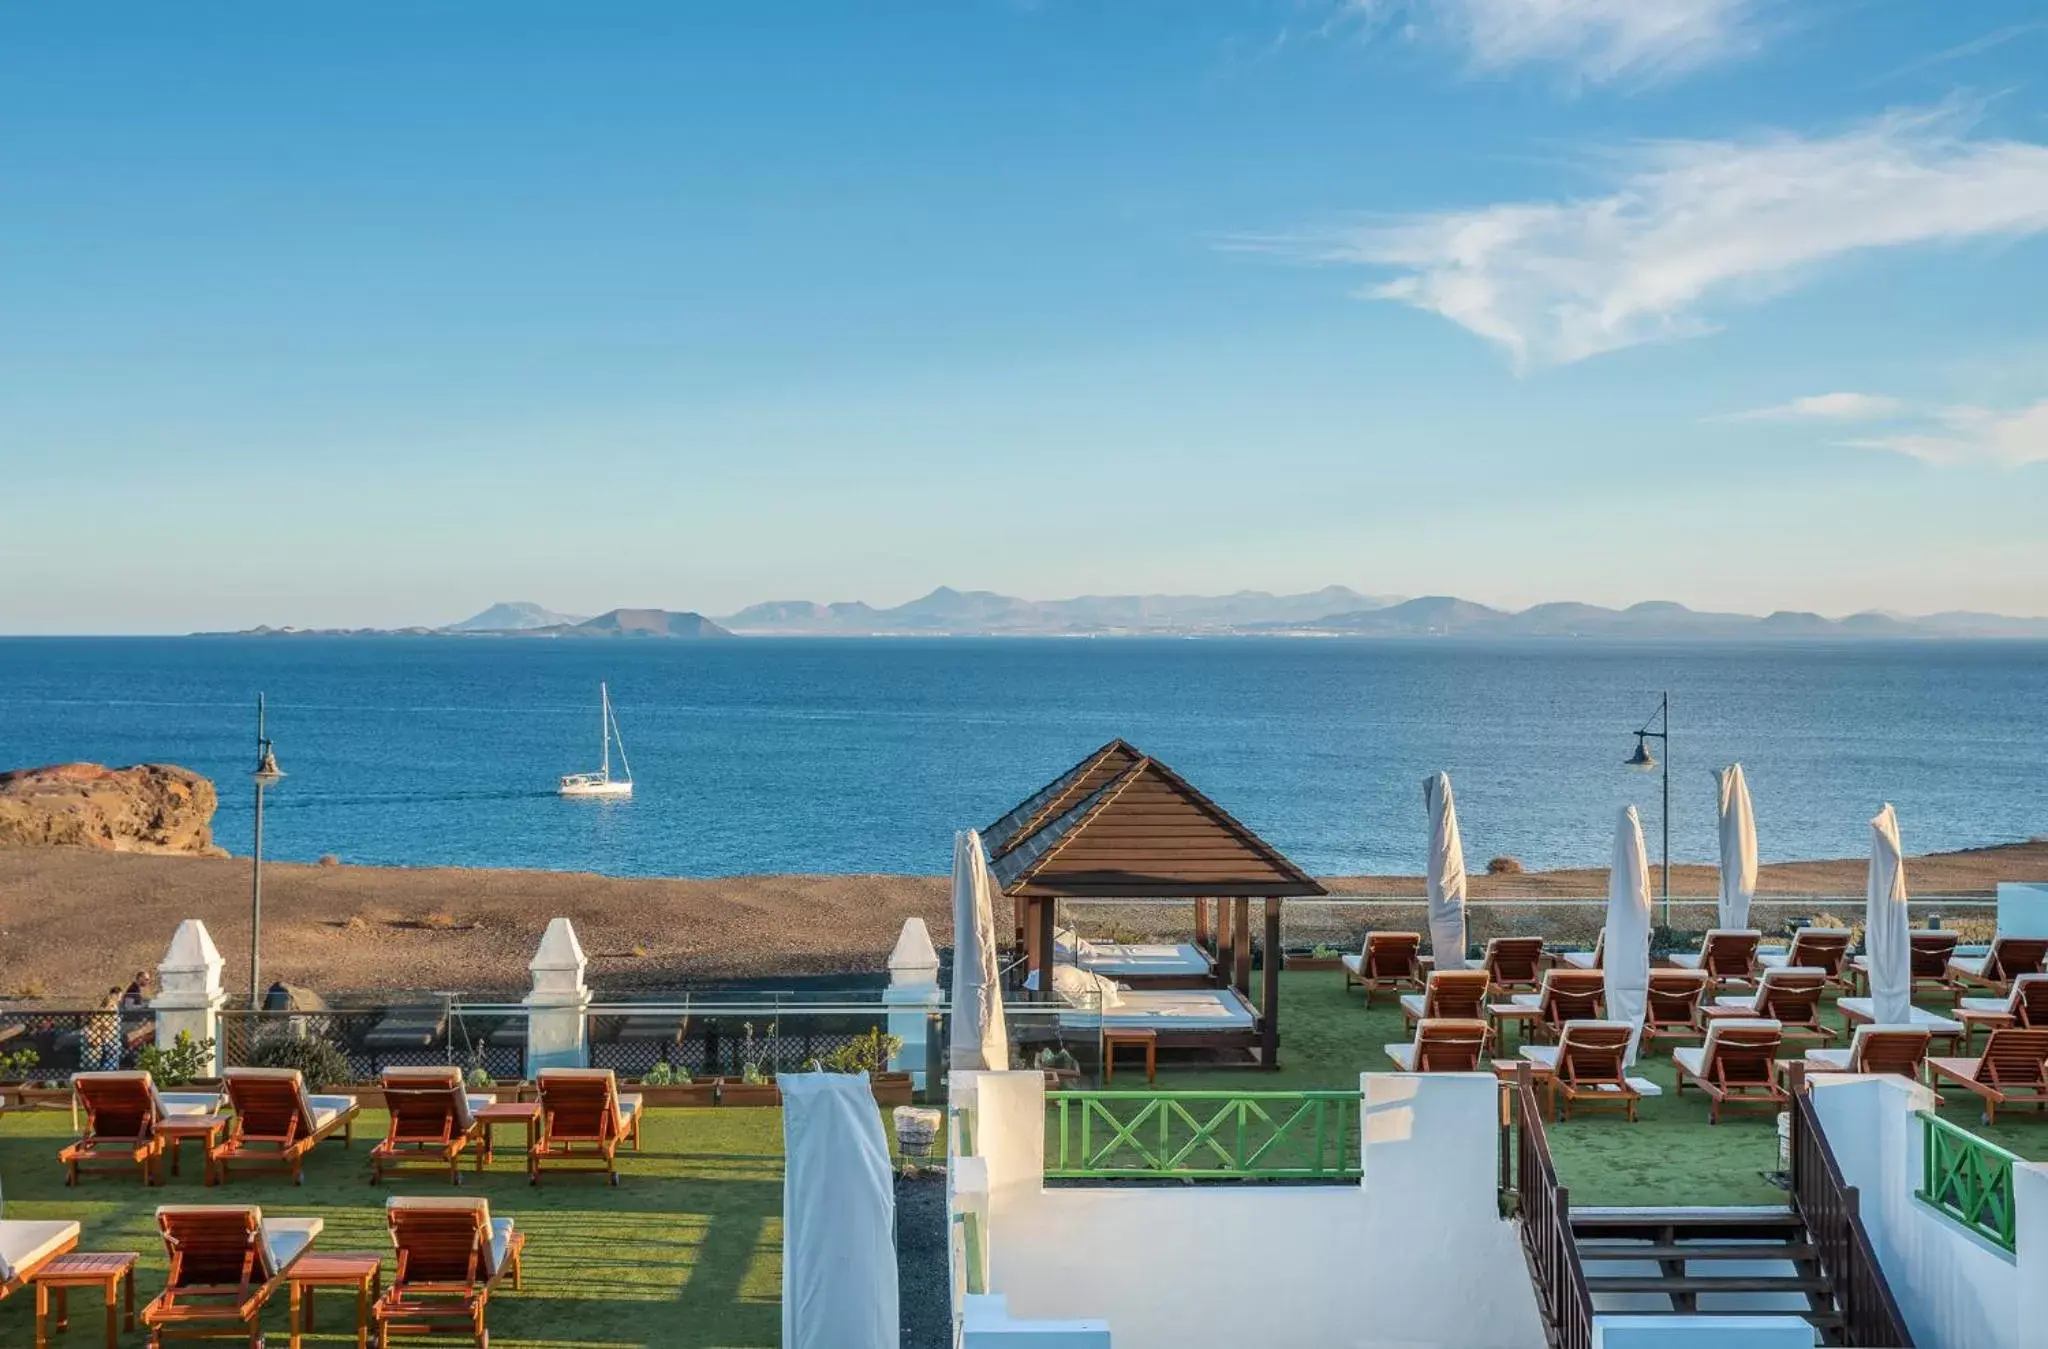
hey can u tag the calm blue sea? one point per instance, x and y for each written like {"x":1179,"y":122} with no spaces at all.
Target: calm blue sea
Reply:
{"x":864,"y":756}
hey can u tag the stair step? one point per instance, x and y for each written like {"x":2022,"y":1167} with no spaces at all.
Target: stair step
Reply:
{"x":1703,"y":1250}
{"x":1673,"y":1228}
{"x":1746,"y":1283}
{"x":1687,"y":1217}
{"x":1828,"y":1320}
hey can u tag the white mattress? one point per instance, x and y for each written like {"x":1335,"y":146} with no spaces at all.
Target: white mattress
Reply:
{"x":1170,"y":1009}
{"x":1922,"y":1018}
{"x":25,"y":1244}
{"x":1137,"y":960}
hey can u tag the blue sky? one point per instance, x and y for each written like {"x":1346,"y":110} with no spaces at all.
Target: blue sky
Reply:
{"x":372,"y":314}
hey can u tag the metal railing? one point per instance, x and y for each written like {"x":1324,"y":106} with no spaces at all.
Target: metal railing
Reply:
{"x":1205,"y":1135}
{"x":1830,"y":1207}
{"x":38,"y":1044}
{"x":1968,"y":1179}
{"x":1545,"y":1210}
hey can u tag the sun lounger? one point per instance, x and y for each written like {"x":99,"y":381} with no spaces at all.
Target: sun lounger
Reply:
{"x":583,"y":1121}
{"x":1672,"y":1004}
{"x":1875,"y":1049}
{"x":1513,"y":962}
{"x":1588,"y":1064}
{"x":27,"y":1245}
{"x":451,"y":1255}
{"x":1736,"y":1065}
{"x":2008,"y":958}
{"x":276,"y":1123}
{"x":1455,"y":995}
{"x":1726,"y":955}
{"x":1146,"y":960}
{"x":432,"y":1120}
{"x":1388,"y":960}
{"x":1443,"y":1045}
{"x":1564,"y":996}
{"x":122,"y":1112}
{"x":226,"y":1261}
{"x":1788,"y":995}
{"x":2012,"y":1070}
{"x":1931,"y":949}
{"x":1813,"y":948}
{"x":2025,"y":1004}
{"x":1586,"y":960}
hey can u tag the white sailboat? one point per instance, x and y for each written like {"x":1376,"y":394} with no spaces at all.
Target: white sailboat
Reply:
{"x":602,"y":783}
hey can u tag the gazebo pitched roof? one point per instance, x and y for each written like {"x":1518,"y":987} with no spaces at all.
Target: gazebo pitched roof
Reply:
{"x":1070,"y":788}
{"x":1143,"y":833}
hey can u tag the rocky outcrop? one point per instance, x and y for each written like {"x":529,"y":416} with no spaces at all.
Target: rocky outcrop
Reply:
{"x":152,"y":808}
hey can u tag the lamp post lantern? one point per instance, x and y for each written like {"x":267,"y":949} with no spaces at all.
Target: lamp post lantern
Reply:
{"x":265,"y":774}
{"x":1645,"y":761}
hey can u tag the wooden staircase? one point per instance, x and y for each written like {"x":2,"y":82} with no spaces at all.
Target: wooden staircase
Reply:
{"x":1705,"y":1262}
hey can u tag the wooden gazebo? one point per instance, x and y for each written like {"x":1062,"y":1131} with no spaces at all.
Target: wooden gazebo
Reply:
{"x":1122,"y":825}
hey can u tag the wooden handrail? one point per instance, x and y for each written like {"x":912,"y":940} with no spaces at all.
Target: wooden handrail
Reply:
{"x":1546,"y":1217}
{"x":1829,"y":1205}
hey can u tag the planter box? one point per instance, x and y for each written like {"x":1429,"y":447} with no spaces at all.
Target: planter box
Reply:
{"x":892,"y":1088}
{"x":1305,"y":963}
{"x":676,"y":1096}
{"x":731,"y":1092}
{"x":43,"y":1098}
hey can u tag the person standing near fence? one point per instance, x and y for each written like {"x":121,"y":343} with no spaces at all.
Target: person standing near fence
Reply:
{"x":103,"y":1035}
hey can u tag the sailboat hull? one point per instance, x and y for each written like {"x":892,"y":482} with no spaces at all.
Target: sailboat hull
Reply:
{"x":583,"y":785}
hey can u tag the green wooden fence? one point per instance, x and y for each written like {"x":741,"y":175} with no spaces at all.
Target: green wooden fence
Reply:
{"x":1968,"y":1179}
{"x":1203,"y":1135}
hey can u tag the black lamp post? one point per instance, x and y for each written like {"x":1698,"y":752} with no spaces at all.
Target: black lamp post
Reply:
{"x":265,"y":774}
{"x":1645,"y":761}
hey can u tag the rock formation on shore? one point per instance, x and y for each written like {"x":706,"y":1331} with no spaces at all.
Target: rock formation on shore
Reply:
{"x":149,"y":808}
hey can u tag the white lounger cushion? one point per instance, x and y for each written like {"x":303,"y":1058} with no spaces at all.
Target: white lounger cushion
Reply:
{"x":1694,"y":1058}
{"x":25,"y":1244}
{"x":327,"y":1109}
{"x":1922,"y":1018}
{"x":286,"y":1239}
{"x":1971,"y":964}
{"x":1136,"y":960}
{"x":1403,"y":1057}
{"x":1413,"y":1003}
{"x":1579,"y":960}
{"x":629,"y":1106}
{"x":1353,"y":961}
{"x":1171,"y":1009}
{"x":175,"y":1103}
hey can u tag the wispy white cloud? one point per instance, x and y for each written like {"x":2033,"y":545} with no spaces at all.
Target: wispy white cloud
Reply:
{"x":1594,"y":41}
{"x":1973,"y":435}
{"x":1828,"y":407}
{"x":1689,"y":225}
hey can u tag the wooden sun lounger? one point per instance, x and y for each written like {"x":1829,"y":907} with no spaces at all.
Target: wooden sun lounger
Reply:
{"x":2025,"y":1004}
{"x":432,"y":1121}
{"x":1514,"y":962}
{"x":451,"y":1255}
{"x":1588,"y":1065}
{"x":1930,"y":950}
{"x":584,"y":1120}
{"x":1788,"y":995}
{"x":121,"y":1115}
{"x":226,"y":1262}
{"x":1876,"y":1049}
{"x":1814,"y":948}
{"x":2008,"y":958}
{"x":1443,"y":1045}
{"x":1388,"y":960}
{"x":1737,"y":1065}
{"x":26,"y":1245}
{"x":1565,"y":996}
{"x":1448,"y":995}
{"x":1586,"y":960}
{"x":1726,"y":955}
{"x":2013,"y":1070}
{"x":276,"y":1123}
{"x":1671,"y":1007}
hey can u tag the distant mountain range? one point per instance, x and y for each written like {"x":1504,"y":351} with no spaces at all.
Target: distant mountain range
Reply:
{"x":1335,"y":611}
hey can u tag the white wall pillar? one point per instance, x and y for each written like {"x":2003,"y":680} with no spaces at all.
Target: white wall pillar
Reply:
{"x":555,"y":1010}
{"x":913,"y":994}
{"x":189,"y":994}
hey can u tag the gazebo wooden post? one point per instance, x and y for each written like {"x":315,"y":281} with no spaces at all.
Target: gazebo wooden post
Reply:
{"x":1225,"y":943}
{"x":1241,"y":957}
{"x":1269,"y":1006}
{"x":1202,"y":924}
{"x":1047,"y":955}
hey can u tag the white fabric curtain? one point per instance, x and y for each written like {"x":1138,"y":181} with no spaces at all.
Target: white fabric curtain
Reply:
{"x":1626,"y":962}
{"x":1738,"y":848}
{"x":1445,"y":873}
{"x":979,"y":1039}
{"x":838,"y":1216}
{"x":1886,"y":931}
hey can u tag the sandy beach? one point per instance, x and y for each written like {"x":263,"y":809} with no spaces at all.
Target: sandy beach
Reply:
{"x":74,"y":922}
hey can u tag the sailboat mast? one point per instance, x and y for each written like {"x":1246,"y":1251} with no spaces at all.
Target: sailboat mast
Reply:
{"x":604,"y":727}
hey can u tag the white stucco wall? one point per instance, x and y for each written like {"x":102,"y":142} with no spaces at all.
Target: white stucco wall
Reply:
{"x":1955,"y":1290}
{"x":1415,"y":1255}
{"x":2022,"y":909}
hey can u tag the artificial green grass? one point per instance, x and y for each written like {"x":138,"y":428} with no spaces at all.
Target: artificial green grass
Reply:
{"x":686,"y":1252}
{"x":1672,"y":1155}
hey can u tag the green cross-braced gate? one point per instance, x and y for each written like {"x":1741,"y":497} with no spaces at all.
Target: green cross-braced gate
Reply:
{"x":1968,"y":1179}
{"x":1204,"y":1135}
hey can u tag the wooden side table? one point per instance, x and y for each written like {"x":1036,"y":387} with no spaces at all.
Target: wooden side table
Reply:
{"x":106,"y":1272}
{"x":505,"y":1112}
{"x":1112,"y":1040}
{"x":360,"y":1270}
{"x":206,"y":1128}
{"x":1519,"y":1014}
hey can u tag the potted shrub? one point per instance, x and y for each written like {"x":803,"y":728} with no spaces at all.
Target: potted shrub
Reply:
{"x":870,"y":1054}
{"x":1060,"y":1067}
{"x":14,"y":1071}
{"x":185,"y":1062}
{"x":667,"y":1085}
{"x":755,"y":1084}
